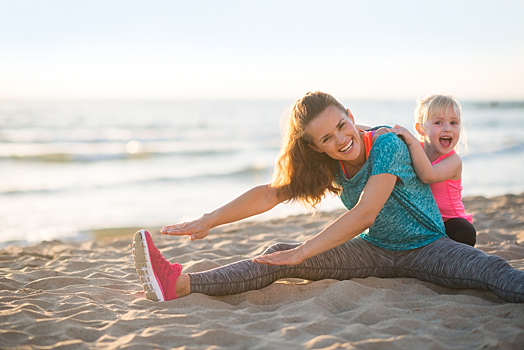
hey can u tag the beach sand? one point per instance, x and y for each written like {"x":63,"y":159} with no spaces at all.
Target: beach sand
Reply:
{"x":88,"y":296}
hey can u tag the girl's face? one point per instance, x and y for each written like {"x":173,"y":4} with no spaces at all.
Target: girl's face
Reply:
{"x":442,"y":132}
{"x":334,"y":133}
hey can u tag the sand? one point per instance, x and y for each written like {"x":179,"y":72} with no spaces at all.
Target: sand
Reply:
{"x":87,"y":296}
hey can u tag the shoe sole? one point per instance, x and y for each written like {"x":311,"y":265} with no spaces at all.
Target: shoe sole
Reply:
{"x":144,"y":269}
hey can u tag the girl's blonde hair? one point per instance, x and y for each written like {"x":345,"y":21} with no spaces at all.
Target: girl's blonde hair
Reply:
{"x":434,"y":104}
{"x":301,"y":173}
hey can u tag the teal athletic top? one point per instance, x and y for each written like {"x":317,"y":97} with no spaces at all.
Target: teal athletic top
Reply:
{"x":410,"y":218}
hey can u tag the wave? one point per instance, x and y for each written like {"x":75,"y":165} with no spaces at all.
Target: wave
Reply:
{"x":247,"y":171}
{"x":57,"y":134}
{"x":497,"y":104}
{"x":508,"y":148}
{"x":90,"y":152}
{"x":251,"y":170}
{"x":101,"y":157}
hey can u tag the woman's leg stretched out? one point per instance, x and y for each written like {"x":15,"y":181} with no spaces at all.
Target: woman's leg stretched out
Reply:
{"x":454,"y":265}
{"x":443,"y":262}
{"x":163,"y":281}
{"x":353,"y":259}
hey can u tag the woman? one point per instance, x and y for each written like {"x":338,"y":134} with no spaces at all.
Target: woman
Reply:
{"x":323,"y":152}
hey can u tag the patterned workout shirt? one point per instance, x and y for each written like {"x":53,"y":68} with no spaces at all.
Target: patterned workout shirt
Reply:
{"x":410,"y":218}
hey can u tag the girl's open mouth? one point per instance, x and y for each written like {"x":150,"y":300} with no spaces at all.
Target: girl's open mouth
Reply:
{"x":445,"y":141}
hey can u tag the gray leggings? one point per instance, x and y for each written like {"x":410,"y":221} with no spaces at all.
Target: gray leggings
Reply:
{"x":443,"y":262}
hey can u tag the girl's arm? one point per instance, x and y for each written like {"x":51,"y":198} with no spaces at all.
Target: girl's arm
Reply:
{"x":426,"y":172}
{"x":352,"y":223}
{"x":255,"y":201}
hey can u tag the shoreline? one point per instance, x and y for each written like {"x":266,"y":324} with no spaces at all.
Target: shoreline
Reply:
{"x":87,"y":295}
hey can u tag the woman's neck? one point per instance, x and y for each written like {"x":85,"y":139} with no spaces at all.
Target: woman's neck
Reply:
{"x":352,"y":167}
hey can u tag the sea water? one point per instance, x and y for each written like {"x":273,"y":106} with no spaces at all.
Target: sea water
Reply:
{"x":69,"y":167}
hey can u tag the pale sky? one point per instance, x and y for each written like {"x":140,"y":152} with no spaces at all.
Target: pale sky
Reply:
{"x":162,"y":49}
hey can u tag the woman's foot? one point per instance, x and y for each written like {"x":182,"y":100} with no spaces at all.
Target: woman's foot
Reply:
{"x":159,"y":277}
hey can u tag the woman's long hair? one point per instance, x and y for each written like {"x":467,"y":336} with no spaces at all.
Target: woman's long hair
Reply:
{"x":301,"y":173}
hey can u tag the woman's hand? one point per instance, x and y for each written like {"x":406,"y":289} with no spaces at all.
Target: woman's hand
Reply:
{"x":404,"y":134}
{"x":285,"y":257}
{"x":196,"y":229}
{"x":257,"y":200}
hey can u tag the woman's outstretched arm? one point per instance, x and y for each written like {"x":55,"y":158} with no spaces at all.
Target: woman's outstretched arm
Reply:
{"x":349,"y":225}
{"x":257,"y":200}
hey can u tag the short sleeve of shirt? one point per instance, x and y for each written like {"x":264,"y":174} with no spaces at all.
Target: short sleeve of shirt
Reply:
{"x":390,"y":155}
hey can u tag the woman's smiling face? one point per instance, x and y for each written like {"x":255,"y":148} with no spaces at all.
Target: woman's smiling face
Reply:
{"x":333,"y":132}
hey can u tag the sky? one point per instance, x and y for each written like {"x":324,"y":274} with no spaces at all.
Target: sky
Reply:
{"x":104,"y":49}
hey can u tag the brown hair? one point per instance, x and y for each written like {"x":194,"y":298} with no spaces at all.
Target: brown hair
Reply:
{"x":301,"y":173}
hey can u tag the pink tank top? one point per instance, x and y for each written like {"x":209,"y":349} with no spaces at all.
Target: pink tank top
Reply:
{"x":448,"y":195}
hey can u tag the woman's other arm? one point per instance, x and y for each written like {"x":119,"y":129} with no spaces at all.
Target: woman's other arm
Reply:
{"x":352,"y":223}
{"x":257,"y":200}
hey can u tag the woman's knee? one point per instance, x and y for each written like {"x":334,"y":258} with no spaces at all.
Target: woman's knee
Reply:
{"x":277,"y":247}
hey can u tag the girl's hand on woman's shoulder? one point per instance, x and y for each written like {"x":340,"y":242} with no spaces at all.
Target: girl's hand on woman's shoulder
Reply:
{"x":403,"y":133}
{"x":196,"y":229}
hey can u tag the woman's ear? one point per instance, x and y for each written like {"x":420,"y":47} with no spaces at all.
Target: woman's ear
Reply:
{"x":420,"y":129}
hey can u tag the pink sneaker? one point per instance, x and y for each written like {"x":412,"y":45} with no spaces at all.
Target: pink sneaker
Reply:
{"x":158,"y":275}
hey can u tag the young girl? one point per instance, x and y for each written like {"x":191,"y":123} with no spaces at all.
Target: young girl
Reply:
{"x":436,"y":162}
{"x":324,"y":152}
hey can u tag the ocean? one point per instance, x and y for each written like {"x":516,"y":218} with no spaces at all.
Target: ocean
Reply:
{"x":70,"y":167}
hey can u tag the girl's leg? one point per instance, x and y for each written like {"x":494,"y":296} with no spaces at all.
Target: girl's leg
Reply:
{"x":355,"y":258}
{"x":450,"y":264}
{"x":461,"y":230}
